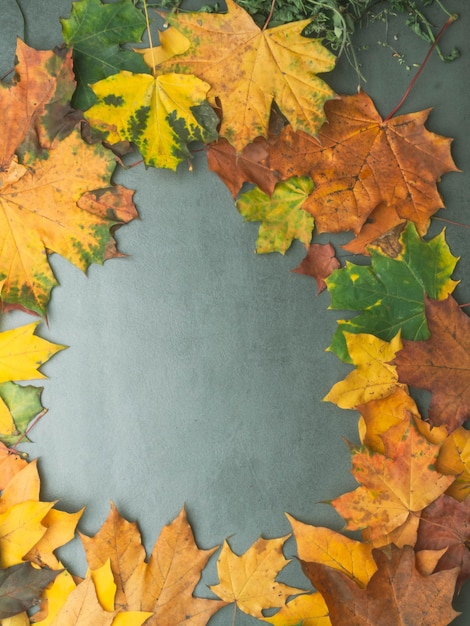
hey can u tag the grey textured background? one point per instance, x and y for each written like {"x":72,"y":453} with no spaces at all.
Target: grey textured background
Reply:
{"x":196,"y":369}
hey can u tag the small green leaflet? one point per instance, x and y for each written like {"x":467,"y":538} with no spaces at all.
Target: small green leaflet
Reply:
{"x":97,"y":31}
{"x":281,"y":215}
{"x":24,"y":404}
{"x":390,"y":292}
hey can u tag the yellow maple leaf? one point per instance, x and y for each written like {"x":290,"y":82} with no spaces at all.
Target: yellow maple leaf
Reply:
{"x":172,"y":42}
{"x":252,"y":68}
{"x":21,"y":529}
{"x":305,"y":610}
{"x":22,"y":353}
{"x":249,"y":579}
{"x":373,"y":377}
{"x":54,"y":598}
{"x":322,"y":545}
{"x":454,"y":458}
{"x":161,"y":115}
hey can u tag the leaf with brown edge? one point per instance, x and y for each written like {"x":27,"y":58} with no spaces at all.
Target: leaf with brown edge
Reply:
{"x":359,"y":162}
{"x":441,"y":364}
{"x":253,"y":67}
{"x":396,"y":594}
{"x":394,"y":488}
{"x":248,"y":166}
{"x":323,"y":545}
{"x":250,"y":581}
{"x":445,"y":524}
{"x":319,"y":263}
{"x":163,"y":586}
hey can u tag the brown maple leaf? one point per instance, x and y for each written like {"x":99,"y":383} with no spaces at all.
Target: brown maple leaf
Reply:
{"x":248,"y":166}
{"x":445,"y":524}
{"x":396,"y":594}
{"x":441,"y":364}
{"x":319,"y":263}
{"x":360,"y":163}
{"x":163,"y":586}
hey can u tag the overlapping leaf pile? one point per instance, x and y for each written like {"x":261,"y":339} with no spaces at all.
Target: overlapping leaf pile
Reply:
{"x":355,"y":172}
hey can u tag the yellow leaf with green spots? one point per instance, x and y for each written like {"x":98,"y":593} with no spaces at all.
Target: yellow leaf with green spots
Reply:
{"x":247,"y":68}
{"x":281,"y":215}
{"x":160,"y":115}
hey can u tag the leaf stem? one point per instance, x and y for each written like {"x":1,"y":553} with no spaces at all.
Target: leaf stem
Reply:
{"x":268,"y":19}
{"x":450,"y":21}
{"x":150,"y":37}
{"x":38,"y":417}
{"x":443,"y":219}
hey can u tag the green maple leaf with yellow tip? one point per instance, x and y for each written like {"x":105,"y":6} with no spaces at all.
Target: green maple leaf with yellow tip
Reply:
{"x":160,"y":115}
{"x":281,"y":215}
{"x":390,"y":291}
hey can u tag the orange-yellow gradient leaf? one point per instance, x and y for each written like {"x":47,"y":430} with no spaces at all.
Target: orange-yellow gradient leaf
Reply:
{"x":40,"y":212}
{"x":252,"y":68}
{"x":360,"y":163}
{"x":393,"y":488}
{"x":22,"y":353}
{"x":373,"y":377}
{"x":164,"y":586}
{"x":305,"y":610}
{"x":322,"y":545}
{"x":250,"y":581}
{"x":11,"y":463}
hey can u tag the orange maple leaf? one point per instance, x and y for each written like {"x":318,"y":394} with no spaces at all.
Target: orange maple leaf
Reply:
{"x":394,"y":488}
{"x":163,"y":586}
{"x":360,"y":163}
{"x":441,"y":364}
{"x":252,"y":68}
{"x":55,"y":196}
{"x":396,"y":594}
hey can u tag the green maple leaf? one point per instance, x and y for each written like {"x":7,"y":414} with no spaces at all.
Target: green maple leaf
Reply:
{"x":24,"y":404}
{"x":281,"y":215}
{"x":390,"y":291}
{"x":97,"y":31}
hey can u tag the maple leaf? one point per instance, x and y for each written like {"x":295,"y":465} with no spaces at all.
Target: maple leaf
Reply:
{"x":249,"y":579}
{"x":11,"y":462}
{"x":441,"y":364}
{"x":172,"y":42}
{"x":161,"y":115}
{"x":281,"y":215}
{"x":22,"y":512}
{"x":390,"y":292}
{"x":445,"y":524}
{"x":360,"y":162}
{"x":253,"y":67}
{"x":22,"y":405}
{"x":248,"y":166}
{"x":322,"y":545}
{"x":373,"y":378}
{"x":164,"y":585}
{"x":96,"y":31}
{"x":394,"y":488}
{"x":20,"y":588}
{"x":454,"y":458}
{"x":305,"y":610}
{"x":396,"y":594}
{"x":319,"y":263}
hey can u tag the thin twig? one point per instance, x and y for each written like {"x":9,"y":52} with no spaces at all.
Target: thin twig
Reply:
{"x":268,"y":19}
{"x":450,"y":21}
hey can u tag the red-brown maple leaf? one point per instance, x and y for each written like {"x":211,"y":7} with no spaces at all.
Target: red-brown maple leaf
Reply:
{"x":319,"y":263}
{"x":441,"y":364}
{"x":396,"y":594}
{"x":445,"y":523}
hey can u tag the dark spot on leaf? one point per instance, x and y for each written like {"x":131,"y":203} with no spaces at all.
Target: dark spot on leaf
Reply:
{"x":112,"y":100}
